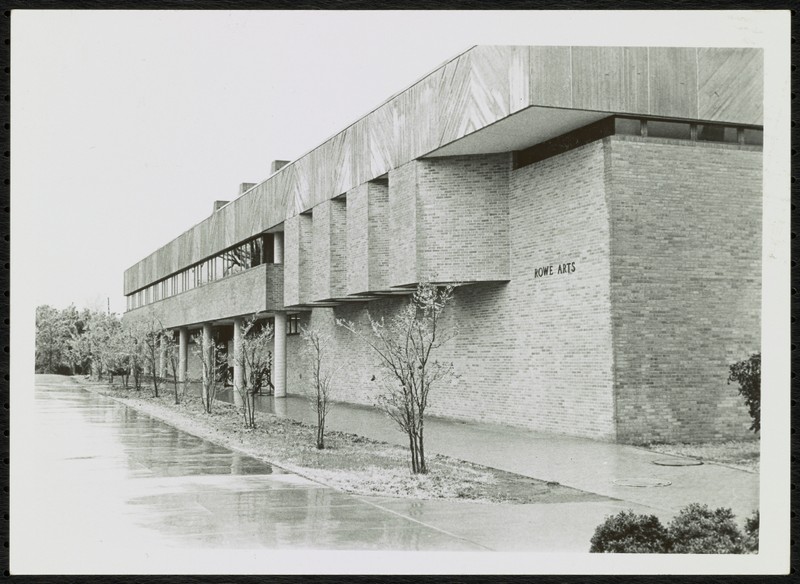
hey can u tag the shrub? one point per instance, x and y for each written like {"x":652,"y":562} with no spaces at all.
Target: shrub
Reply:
{"x":751,"y":525}
{"x":696,"y":529}
{"x":747,"y":374}
{"x":627,"y":532}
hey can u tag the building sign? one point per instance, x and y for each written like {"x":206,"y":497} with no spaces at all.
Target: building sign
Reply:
{"x":550,"y":270}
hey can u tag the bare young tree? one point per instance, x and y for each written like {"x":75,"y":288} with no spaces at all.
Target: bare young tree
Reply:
{"x":152,"y":333}
{"x":119,"y":361}
{"x":213,"y":360}
{"x":130,"y":350}
{"x":255,"y":358}
{"x":405,"y":346}
{"x":170,"y":348}
{"x":322,"y":375}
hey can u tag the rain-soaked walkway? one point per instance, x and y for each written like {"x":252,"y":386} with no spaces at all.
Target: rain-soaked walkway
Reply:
{"x":598,"y":467}
{"x":106,"y":475}
{"x":103,"y":477}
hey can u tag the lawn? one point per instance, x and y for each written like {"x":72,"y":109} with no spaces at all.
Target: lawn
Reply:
{"x":349,"y":462}
{"x":742,"y":454}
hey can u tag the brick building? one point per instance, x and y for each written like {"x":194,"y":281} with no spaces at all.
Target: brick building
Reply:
{"x":598,"y":208}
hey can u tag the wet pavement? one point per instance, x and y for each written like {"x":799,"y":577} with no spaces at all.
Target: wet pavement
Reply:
{"x":123,"y":478}
{"x":104,"y":478}
{"x":108,"y":478}
{"x":597,"y":467}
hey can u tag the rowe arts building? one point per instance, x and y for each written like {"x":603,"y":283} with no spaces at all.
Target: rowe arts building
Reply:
{"x":598,"y":208}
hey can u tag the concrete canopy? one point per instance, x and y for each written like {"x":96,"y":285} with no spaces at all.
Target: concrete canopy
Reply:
{"x":488,"y":99}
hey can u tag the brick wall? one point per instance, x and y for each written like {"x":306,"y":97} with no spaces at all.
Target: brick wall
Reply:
{"x":560,"y":323}
{"x":368,"y":238}
{"x":402,"y":224}
{"x":329,"y":250}
{"x":358,"y":239}
{"x":686,"y":285}
{"x":355,"y":363}
{"x":632,"y":270}
{"x":533,"y":352}
{"x":321,"y":252}
{"x":298,"y":260}
{"x":380,"y":243}
{"x":462,"y":218}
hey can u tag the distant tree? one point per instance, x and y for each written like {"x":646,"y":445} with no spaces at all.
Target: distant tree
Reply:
{"x":320,"y":389}
{"x":52,"y":339}
{"x":72,"y":321}
{"x":255,"y":359}
{"x":406,"y":345}
{"x":81,"y":353}
{"x":747,"y":374}
{"x":99,"y":332}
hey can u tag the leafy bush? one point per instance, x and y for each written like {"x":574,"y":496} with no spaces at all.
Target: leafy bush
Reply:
{"x":627,"y":532}
{"x":747,"y":374}
{"x":751,"y":525}
{"x":694,"y":530}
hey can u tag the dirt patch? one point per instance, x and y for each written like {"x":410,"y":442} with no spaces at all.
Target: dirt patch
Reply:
{"x":349,"y":462}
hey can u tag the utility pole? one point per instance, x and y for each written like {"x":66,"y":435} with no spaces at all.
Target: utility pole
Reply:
{"x":108,"y":305}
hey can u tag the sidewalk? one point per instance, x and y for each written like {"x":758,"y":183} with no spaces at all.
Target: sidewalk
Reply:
{"x":581,"y":463}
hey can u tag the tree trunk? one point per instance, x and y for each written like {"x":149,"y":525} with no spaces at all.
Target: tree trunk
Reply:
{"x":423,"y":468}
{"x":413,"y":449}
{"x":320,"y":430}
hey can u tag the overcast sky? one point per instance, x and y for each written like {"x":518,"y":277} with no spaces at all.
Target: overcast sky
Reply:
{"x":126,"y":126}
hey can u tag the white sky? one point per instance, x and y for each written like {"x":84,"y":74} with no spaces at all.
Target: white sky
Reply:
{"x":127,"y":125}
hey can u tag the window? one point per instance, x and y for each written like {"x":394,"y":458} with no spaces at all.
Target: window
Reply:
{"x":629,"y":126}
{"x":256,"y":252}
{"x":212,"y":270}
{"x":717,"y":133}
{"x":293,"y":324}
{"x":249,"y":254}
{"x":674,"y":130}
{"x":755,"y":137}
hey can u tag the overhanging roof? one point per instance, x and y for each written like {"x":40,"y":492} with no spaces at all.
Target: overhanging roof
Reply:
{"x":488,"y":99}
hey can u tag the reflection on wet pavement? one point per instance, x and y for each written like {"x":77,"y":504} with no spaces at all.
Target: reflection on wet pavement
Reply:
{"x":605,"y":468}
{"x":108,"y":475}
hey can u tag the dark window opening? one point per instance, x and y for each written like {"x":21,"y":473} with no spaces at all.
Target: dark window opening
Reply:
{"x":674,"y":130}
{"x":293,"y":324}
{"x":253,"y":252}
{"x":640,"y":126}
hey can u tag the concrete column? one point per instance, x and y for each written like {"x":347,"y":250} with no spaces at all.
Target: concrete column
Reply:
{"x":183,"y":354}
{"x":207,"y":340}
{"x":277,"y":240}
{"x":238,"y":364}
{"x":279,"y":355}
